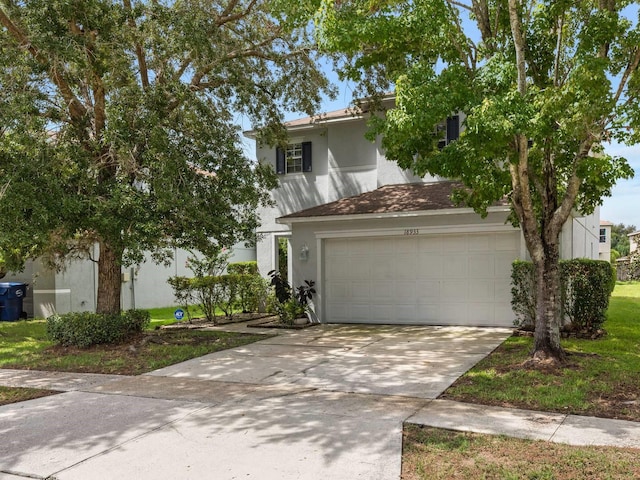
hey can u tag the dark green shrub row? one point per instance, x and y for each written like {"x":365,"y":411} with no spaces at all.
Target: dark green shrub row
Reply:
{"x":243,"y":268}
{"x":585,"y":285}
{"x":229,"y":293}
{"x":83,"y":329}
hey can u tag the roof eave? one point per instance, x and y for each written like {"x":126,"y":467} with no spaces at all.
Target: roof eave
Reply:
{"x":372,"y":216}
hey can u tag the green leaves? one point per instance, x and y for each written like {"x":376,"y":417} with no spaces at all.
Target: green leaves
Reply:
{"x":117,"y":121}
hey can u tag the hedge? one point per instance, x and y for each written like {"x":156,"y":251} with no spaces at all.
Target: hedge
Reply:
{"x":243,"y":268}
{"x":229,"y":293}
{"x":585,"y":288}
{"x":83,"y":329}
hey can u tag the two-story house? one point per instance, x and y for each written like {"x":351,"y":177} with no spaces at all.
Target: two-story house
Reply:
{"x":383,"y":245}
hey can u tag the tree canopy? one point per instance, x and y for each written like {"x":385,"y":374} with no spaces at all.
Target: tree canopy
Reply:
{"x":541,"y":85}
{"x":620,"y":238}
{"x":118,"y":123}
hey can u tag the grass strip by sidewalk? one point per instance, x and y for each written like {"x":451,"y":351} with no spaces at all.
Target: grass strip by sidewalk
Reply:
{"x":24,"y":345}
{"x":600,"y":379}
{"x":432,"y":453}
{"x":13,"y":395}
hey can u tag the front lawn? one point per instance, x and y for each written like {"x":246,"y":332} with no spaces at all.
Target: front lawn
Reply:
{"x":24,"y":345}
{"x":600,"y":379}
{"x":431,"y":454}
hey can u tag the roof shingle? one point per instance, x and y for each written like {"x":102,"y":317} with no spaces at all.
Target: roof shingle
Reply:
{"x":408,"y":197}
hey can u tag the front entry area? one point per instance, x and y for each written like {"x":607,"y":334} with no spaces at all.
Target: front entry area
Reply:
{"x":438,"y":279}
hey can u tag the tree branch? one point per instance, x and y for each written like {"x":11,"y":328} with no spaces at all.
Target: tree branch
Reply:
{"x":518,"y":40}
{"x":76,"y":109}
{"x":223,"y":19}
{"x":461,"y":5}
{"x":142,"y":62}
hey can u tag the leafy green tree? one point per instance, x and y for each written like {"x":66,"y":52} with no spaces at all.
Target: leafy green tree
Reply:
{"x":117,"y":124}
{"x":542,"y":84}
{"x":620,"y":238}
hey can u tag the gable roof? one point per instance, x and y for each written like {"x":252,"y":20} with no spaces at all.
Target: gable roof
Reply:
{"x":401,"y":198}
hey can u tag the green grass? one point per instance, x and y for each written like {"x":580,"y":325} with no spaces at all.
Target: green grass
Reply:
{"x":14,"y":395}
{"x":432,"y":453}
{"x":627,"y":289}
{"x":165,"y":315}
{"x":24,"y":345}
{"x":600,"y":379}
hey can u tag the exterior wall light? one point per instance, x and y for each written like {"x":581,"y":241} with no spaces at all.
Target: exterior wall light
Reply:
{"x":304,"y":252}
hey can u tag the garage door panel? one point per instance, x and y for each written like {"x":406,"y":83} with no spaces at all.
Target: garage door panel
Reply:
{"x":453,"y":312}
{"x":381,"y":268}
{"x":360,"y":291}
{"x":481,"y":266}
{"x":502,"y":267}
{"x":406,"y":291}
{"x":480,"y":243}
{"x":431,"y":244}
{"x":482,"y":313}
{"x":406,"y":313}
{"x":482,"y":291}
{"x":453,"y":279}
{"x":455,"y":244}
{"x":507,"y":243}
{"x":405,"y":267}
{"x":430,"y":265}
{"x":339,"y":291}
{"x":456,"y":266}
{"x":453,"y":290}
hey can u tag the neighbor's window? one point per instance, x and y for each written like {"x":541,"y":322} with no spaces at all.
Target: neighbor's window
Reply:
{"x":603,"y":235}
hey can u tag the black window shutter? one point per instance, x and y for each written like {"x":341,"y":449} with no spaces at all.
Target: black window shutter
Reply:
{"x":453,"y":128}
{"x":280,"y":163}
{"x":306,"y":156}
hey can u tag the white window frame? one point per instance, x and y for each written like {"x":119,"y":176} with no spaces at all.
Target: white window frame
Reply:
{"x":293,"y":158}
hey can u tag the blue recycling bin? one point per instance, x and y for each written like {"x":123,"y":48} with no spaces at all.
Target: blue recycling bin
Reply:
{"x":11,"y":296}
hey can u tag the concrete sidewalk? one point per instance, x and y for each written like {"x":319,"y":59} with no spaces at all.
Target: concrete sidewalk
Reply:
{"x":326,"y":402}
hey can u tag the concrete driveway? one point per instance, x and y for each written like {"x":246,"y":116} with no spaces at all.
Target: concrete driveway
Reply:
{"x":325,"y":402}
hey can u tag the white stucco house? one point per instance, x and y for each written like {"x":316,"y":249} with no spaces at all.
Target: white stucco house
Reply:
{"x":383,"y":245}
{"x":75,"y":289}
{"x":604,"y":239}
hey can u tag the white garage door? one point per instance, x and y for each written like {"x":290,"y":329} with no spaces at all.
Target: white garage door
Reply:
{"x":461,"y":279}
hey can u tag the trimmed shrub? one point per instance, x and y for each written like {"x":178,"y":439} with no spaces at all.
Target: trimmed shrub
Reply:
{"x":251,"y":292}
{"x":183,"y":291}
{"x":83,"y":329}
{"x":243,"y":268}
{"x":586,"y":286}
{"x":523,"y":297}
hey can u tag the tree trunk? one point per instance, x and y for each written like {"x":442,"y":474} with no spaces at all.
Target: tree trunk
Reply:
{"x":546,"y":346}
{"x":109,"y":279}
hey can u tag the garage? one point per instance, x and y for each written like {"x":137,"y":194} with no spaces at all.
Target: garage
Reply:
{"x":432,"y":279}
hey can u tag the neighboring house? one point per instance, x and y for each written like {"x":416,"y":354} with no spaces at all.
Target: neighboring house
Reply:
{"x":383,"y":245}
{"x":633,"y":241}
{"x":75,"y":289}
{"x":623,"y":264}
{"x":605,"y":240}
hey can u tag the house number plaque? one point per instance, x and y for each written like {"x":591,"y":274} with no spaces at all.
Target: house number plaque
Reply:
{"x":411,"y":231}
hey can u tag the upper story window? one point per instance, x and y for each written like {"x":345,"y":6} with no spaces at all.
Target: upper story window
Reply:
{"x":603,"y":235}
{"x":450,"y":131}
{"x":295,"y":158}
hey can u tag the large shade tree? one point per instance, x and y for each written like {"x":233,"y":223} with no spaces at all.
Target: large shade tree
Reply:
{"x":117,"y":124}
{"x":542,"y":83}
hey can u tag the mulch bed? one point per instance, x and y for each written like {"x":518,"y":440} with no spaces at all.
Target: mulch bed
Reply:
{"x":253,"y":320}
